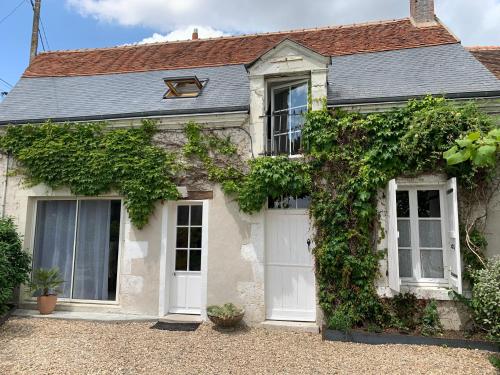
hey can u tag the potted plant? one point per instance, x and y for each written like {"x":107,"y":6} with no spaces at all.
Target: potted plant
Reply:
{"x":45,"y":286}
{"x":225,"y":316}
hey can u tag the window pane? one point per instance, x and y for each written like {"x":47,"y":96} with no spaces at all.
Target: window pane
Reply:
{"x":281,"y":144}
{"x":404,"y":239}
{"x":304,"y":202}
{"x":182,"y":238}
{"x":195,"y":238}
{"x":196,"y":215}
{"x":93,"y":251}
{"x":182,"y":215}
{"x":428,"y":203}
{"x":430,"y":233}
{"x":195,"y":260}
{"x":405,"y":266}
{"x":295,"y":143}
{"x":54,"y":239}
{"x":181,"y":260}
{"x":299,"y":95}
{"x":432,"y":264}
{"x":403,"y":203}
{"x":281,"y":99}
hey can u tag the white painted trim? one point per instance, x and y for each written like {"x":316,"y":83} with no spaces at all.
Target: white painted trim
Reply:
{"x":164,"y":292}
{"x":167,"y":259}
{"x":204,"y":259}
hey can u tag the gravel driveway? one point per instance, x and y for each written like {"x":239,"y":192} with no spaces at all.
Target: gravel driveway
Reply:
{"x":42,"y":346}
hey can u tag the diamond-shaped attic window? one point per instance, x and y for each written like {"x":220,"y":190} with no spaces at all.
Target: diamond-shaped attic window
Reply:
{"x":184,"y":87}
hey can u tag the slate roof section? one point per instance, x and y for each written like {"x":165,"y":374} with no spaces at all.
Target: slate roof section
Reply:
{"x":329,"y":41}
{"x":123,"y":96}
{"x":399,"y":75}
{"x":489,"y":56}
{"x":361,"y":78}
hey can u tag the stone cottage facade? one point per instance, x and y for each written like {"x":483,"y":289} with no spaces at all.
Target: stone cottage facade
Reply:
{"x":202,"y":250}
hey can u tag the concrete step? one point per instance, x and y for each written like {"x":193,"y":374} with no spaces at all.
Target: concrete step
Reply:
{"x":181,"y":318}
{"x":83,"y":315}
{"x":306,"y":327}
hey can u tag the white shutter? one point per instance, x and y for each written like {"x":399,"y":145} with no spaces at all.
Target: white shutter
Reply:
{"x":392,"y":237}
{"x":452,"y":252}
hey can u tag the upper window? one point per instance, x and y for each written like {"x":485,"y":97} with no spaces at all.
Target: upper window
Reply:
{"x":420,"y":226}
{"x":81,"y":239}
{"x":288,"y":107}
{"x":184,"y":87}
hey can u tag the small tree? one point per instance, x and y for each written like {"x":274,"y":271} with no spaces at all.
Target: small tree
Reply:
{"x":15,"y":263}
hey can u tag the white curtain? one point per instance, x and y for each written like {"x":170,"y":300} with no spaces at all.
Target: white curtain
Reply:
{"x":92,"y":250}
{"x":54,"y":238}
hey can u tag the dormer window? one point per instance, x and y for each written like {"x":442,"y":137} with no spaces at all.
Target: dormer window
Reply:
{"x":288,"y":106}
{"x":184,"y":87}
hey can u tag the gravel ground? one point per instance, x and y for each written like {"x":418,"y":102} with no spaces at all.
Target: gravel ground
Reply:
{"x":42,"y":346}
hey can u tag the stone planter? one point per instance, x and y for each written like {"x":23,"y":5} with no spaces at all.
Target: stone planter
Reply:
{"x":228,"y":322}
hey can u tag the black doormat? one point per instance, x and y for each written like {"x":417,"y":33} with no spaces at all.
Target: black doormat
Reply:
{"x":186,"y":327}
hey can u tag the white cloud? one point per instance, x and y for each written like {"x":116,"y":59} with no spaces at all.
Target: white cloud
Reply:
{"x":474,"y":21}
{"x":183,"y":34}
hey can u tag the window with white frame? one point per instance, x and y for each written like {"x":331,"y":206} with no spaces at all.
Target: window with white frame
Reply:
{"x":289,"y":103}
{"x":420,"y":227}
{"x":80,"y":238}
{"x":188,"y":237}
{"x":423,"y":242}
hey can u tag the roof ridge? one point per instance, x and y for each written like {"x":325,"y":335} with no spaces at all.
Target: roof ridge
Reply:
{"x":135,"y":45}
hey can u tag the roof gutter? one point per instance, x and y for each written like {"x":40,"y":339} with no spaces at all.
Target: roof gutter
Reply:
{"x":134,"y":115}
{"x":396,"y":99}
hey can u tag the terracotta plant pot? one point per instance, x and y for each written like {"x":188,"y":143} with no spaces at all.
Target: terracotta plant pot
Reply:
{"x":47,"y":304}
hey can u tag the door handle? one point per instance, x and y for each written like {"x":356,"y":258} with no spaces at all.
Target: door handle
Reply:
{"x":308,"y":243}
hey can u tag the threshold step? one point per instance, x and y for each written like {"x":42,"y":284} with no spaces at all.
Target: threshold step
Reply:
{"x":181,"y":318}
{"x":307,"y":327}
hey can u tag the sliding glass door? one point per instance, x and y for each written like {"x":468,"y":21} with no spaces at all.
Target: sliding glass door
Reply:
{"x":81,"y":238}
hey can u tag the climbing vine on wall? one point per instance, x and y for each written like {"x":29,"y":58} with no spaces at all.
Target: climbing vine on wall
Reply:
{"x":348,"y":159}
{"x":91,"y":160}
{"x":354,"y":156}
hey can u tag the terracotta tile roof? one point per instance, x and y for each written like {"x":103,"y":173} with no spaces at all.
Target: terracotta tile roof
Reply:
{"x":330,"y":41}
{"x":489,"y":56}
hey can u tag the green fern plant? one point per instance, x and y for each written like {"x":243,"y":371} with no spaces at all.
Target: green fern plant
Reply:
{"x":46,"y":282}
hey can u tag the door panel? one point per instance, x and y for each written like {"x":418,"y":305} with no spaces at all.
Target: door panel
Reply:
{"x":290,"y":281}
{"x":186,"y":249}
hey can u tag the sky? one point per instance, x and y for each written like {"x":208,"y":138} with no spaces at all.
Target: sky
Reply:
{"x":74,"y":24}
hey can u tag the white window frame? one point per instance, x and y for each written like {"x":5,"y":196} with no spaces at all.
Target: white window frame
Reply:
{"x":286,"y":84}
{"x":188,"y":226}
{"x":116,"y":301}
{"x":417,"y":279}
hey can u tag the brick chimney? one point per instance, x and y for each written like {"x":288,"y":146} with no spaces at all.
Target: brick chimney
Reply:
{"x":195,"y":34}
{"x":422,"y":13}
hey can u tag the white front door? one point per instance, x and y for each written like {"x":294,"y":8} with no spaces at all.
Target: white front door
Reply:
{"x":290,"y":280}
{"x":186,"y":249}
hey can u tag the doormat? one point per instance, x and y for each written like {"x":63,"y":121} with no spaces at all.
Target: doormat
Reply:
{"x":186,"y":327}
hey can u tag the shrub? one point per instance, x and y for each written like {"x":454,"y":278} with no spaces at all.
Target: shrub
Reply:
{"x":225,"y":311}
{"x":485,"y":302}
{"x":342,"y":319}
{"x":431,"y":324}
{"x":15,"y":264}
{"x":405,"y":307}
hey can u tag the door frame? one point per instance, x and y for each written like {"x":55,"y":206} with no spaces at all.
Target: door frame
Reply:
{"x":167,"y":256}
{"x":289,"y":211}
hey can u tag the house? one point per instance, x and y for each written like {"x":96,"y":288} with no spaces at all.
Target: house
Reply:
{"x":202,"y":250}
